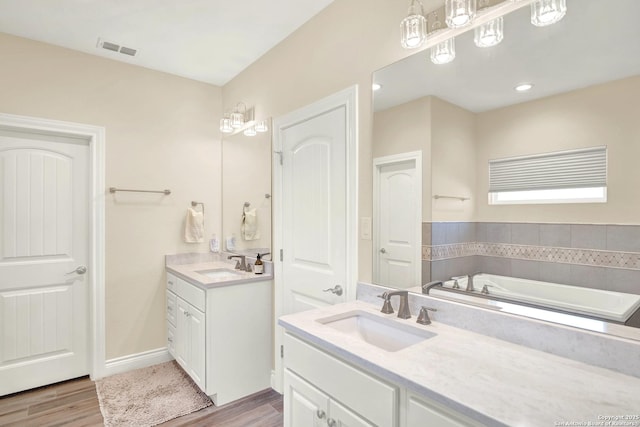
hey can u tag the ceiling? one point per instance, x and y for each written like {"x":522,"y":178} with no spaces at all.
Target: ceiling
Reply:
{"x":597,"y":41}
{"x":206,"y":40}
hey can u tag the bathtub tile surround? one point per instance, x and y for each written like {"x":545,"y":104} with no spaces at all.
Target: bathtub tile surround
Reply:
{"x":597,"y":256}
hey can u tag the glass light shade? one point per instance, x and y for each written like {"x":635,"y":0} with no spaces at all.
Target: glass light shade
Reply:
{"x":250,"y":131}
{"x":414,"y":31}
{"x":489,"y":34}
{"x":459,"y":13}
{"x":261,"y":126}
{"x":547,"y":12}
{"x":237,"y":120}
{"x":444,"y":52}
{"x":225,"y":125}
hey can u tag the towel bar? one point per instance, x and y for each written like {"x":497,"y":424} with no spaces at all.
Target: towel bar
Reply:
{"x":114,"y":190}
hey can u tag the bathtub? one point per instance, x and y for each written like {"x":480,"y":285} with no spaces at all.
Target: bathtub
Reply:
{"x":608,"y":305}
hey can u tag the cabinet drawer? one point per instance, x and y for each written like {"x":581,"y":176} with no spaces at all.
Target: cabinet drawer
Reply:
{"x":368,"y":396}
{"x":171,"y":340}
{"x":191,"y":294}
{"x":172,"y":282}
{"x":171,"y":307}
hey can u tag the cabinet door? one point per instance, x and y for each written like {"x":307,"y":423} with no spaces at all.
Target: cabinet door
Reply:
{"x":421,"y":413}
{"x":304,"y":405}
{"x":343,"y":417}
{"x":182,"y":334}
{"x":197,"y":346}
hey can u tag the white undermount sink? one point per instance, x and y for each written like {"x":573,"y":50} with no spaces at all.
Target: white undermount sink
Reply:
{"x":220,"y":273}
{"x":383,"y":333}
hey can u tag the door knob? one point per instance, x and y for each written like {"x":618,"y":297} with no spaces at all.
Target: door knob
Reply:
{"x":383,"y":251}
{"x":81,"y":269}
{"x":337,"y":289}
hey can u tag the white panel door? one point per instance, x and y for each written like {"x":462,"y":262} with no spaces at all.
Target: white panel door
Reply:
{"x":314,"y":211}
{"x":398,"y":225}
{"x":44,"y":220}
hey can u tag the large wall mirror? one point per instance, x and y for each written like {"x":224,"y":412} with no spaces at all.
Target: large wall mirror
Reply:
{"x":436,"y":127}
{"x":246,"y":193}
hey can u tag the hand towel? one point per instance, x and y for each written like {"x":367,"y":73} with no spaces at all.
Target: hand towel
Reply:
{"x":194,"y":227}
{"x":249,"y":228}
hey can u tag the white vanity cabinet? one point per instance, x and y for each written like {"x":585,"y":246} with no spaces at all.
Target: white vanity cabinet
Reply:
{"x":323,"y":390}
{"x":221,"y":336}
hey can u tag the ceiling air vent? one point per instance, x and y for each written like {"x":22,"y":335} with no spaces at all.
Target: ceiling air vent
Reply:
{"x":116,"y":48}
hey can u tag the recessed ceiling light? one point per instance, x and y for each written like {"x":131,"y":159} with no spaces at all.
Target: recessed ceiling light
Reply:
{"x":376,"y":86}
{"x":523,"y":87}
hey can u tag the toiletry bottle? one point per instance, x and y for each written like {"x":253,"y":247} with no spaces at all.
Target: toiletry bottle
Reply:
{"x":258,"y":267}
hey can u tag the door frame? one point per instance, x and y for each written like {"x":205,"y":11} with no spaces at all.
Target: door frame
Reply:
{"x":345,"y":98}
{"x":378,"y":164}
{"x":95,"y":137}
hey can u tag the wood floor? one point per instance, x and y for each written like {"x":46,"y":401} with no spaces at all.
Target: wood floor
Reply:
{"x":74,"y":403}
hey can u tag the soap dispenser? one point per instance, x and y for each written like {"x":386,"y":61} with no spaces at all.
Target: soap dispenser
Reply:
{"x":258,"y":267}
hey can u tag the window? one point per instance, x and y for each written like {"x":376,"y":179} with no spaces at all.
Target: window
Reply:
{"x":576,"y":176}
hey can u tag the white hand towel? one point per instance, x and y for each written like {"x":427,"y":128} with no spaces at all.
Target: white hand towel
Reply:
{"x":194,"y":227}
{"x":249,"y":228}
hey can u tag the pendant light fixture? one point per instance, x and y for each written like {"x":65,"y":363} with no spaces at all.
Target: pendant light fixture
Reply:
{"x":237,"y":116}
{"x":547,"y":12}
{"x":490,"y":33}
{"x":414,"y":26}
{"x":261,"y":126}
{"x":459,"y":13}
{"x":250,"y":131}
{"x":444,"y":52}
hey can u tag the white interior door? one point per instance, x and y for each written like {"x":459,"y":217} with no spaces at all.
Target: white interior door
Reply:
{"x":316,"y":208}
{"x":44,"y":235}
{"x":397,"y":220}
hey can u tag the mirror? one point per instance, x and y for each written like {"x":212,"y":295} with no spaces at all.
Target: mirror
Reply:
{"x":246,"y":187}
{"x":458,"y":116}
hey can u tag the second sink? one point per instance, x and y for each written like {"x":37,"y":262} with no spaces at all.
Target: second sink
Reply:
{"x":386,"y":334}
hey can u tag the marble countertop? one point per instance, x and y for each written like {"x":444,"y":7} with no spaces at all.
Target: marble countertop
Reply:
{"x":189,"y":272}
{"x":493,"y":381}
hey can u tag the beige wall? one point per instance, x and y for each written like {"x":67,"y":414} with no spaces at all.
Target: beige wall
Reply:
{"x":600,"y":115}
{"x":341,"y":46}
{"x":402,"y":129}
{"x":161,"y":132}
{"x":453,"y":168}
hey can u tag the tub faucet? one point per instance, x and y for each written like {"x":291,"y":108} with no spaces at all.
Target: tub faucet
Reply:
{"x":403,"y":310}
{"x":427,"y":286}
{"x":470,"y":282}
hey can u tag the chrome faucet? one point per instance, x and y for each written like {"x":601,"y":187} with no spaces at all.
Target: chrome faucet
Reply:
{"x":403,"y":310}
{"x":241,"y":264}
{"x":427,"y":286}
{"x":470,"y":287}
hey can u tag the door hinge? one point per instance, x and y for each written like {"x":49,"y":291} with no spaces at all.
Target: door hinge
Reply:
{"x":279,"y":153}
{"x":281,"y":256}
{"x":281,"y":351}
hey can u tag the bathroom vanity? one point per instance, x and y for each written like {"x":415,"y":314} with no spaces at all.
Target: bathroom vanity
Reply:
{"x":345,"y":365}
{"x":219,"y":326}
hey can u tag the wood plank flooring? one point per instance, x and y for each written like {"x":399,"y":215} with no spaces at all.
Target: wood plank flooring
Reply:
{"x":74,"y":403}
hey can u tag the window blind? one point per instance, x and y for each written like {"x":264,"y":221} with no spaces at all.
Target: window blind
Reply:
{"x":563,"y":169}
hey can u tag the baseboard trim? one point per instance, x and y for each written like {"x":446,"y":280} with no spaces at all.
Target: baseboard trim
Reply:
{"x":136,"y":361}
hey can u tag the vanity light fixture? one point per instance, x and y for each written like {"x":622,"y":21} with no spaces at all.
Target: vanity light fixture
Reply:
{"x":490,"y":33}
{"x":524,"y":87}
{"x":444,"y":52}
{"x":237,"y":116}
{"x":459,"y":13}
{"x":250,"y":131}
{"x":261,"y":126}
{"x":547,"y":12}
{"x":414,"y":26}
{"x":225,"y":124}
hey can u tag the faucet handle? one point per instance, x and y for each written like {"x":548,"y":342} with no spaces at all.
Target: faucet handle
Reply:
{"x":423,"y":317}
{"x":386,"y":307}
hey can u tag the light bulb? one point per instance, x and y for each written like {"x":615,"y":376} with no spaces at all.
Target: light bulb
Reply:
{"x":250,"y":131}
{"x":444,"y":52}
{"x":489,"y":34}
{"x":459,"y":13}
{"x":225,"y":125}
{"x":547,"y":12}
{"x":261,"y":126}
{"x":414,"y":31}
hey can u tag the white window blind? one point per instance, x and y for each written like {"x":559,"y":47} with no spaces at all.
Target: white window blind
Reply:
{"x":573,"y":169}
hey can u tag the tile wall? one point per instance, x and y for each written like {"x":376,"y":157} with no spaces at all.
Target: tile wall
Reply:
{"x":595,"y":256}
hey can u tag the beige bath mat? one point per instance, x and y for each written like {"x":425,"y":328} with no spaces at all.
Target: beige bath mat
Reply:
{"x":149,"y":396}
